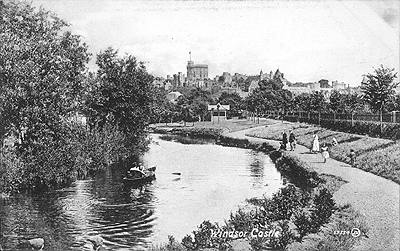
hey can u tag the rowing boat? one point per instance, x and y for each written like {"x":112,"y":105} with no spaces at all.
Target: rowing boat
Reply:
{"x":137,"y":176}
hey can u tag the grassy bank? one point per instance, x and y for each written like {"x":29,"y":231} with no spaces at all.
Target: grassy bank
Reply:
{"x":223,"y":126}
{"x":375,"y":155}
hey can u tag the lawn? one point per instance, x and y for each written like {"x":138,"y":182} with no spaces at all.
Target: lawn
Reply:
{"x":226,"y":125}
{"x":375,"y":155}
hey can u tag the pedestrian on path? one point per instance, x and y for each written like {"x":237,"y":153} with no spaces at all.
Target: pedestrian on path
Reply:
{"x":352,"y":157}
{"x":334,"y":141}
{"x":315,"y":144}
{"x":324,"y":152}
{"x":292,"y":141}
{"x":284,"y":140}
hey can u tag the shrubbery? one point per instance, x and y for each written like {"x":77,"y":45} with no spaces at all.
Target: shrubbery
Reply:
{"x":296,"y":170}
{"x":334,"y":235}
{"x":290,"y":215}
{"x":52,"y":164}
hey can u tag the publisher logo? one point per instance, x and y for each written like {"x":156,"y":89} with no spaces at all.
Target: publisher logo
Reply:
{"x":355,"y":232}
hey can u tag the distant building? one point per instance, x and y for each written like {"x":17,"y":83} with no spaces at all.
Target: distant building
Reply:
{"x":158,"y":82}
{"x":227,"y":78}
{"x":173,"y":96}
{"x":320,"y":86}
{"x":338,"y":86}
{"x":237,"y":77}
{"x":324,"y":83}
{"x":196,"y":71}
{"x":179,"y":79}
{"x":266,"y":76}
{"x":168,"y":85}
{"x":253,"y":85}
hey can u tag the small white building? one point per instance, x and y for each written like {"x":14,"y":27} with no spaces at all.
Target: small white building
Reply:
{"x":218,"y":112}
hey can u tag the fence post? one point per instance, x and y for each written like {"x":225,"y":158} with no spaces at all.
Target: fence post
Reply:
{"x":334,"y":117}
{"x":394,"y":116}
{"x":319,"y":118}
{"x":352,"y":119}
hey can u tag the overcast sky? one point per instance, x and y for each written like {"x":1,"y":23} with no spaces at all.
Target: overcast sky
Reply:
{"x":307,"y":40}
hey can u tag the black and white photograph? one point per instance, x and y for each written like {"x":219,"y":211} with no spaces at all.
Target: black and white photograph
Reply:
{"x":179,"y":125}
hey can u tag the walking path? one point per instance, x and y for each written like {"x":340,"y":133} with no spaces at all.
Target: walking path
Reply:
{"x":374,"y":197}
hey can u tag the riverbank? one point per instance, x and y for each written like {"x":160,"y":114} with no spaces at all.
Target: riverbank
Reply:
{"x":303,"y":219}
{"x":311,"y":186}
{"x":206,"y":129}
{"x":374,"y":197}
{"x":375,"y":155}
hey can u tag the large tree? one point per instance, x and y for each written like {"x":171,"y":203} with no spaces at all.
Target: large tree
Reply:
{"x":379,"y":88}
{"x":42,"y":66}
{"x":269,"y":96}
{"x":122,"y":95}
{"x":198,"y":101}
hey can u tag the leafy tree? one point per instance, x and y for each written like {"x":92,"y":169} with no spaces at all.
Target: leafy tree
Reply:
{"x":336,"y":103}
{"x":394,"y":103}
{"x":302,"y":102}
{"x":379,"y":89}
{"x":270,"y":85}
{"x":122,"y":95}
{"x":318,"y":101}
{"x":160,"y":106}
{"x":41,"y":70}
{"x":353,"y":103}
{"x":198,"y":101}
{"x":233,"y":100}
{"x":269,"y":96}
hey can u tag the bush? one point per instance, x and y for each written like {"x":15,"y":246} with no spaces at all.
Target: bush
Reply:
{"x":50,"y":163}
{"x":172,"y":245}
{"x":296,"y":170}
{"x":203,"y":238}
{"x":334,"y":235}
{"x":10,"y":172}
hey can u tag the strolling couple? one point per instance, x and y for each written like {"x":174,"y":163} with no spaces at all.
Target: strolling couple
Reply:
{"x":292,"y":141}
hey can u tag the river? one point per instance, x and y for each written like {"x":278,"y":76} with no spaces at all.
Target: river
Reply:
{"x":214,"y":181}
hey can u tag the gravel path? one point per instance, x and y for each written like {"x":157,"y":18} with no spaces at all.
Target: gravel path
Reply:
{"x":374,"y":197}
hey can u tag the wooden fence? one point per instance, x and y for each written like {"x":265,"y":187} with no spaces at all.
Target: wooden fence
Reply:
{"x":392,"y":117}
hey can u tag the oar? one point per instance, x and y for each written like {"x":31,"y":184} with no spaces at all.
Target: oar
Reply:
{"x":176,"y":173}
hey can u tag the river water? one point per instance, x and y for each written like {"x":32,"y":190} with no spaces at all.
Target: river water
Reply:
{"x":214,"y":181}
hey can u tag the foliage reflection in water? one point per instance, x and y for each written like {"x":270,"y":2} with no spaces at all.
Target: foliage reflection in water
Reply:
{"x":214,"y":180}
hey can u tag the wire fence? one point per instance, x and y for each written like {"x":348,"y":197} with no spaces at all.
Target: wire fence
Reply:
{"x":392,"y":117}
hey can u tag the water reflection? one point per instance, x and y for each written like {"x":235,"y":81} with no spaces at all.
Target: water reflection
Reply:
{"x":213,"y":180}
{"x":185,"y":140}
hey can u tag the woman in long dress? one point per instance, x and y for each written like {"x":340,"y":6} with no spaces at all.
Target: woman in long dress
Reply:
{"x":324,"y":152}
{"x":315,"y":146}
